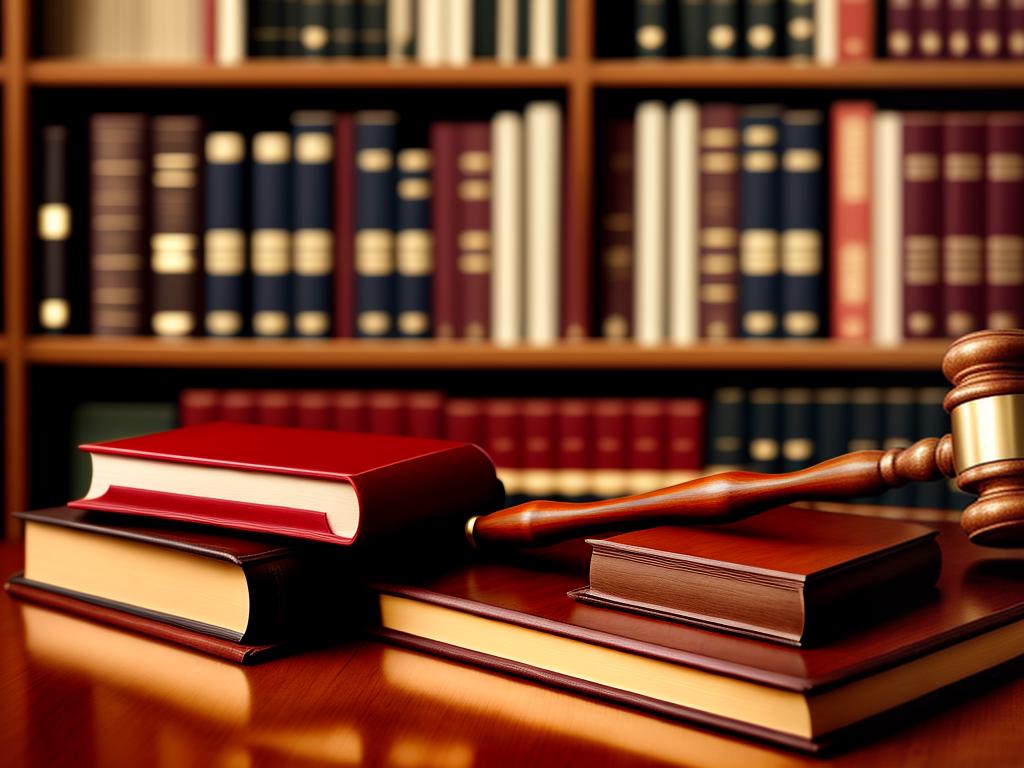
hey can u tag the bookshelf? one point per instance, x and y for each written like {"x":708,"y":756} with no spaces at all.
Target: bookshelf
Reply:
{"x":579,"y":80}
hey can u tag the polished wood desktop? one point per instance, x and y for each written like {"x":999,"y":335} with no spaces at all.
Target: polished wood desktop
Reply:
{"x":76,"y":693}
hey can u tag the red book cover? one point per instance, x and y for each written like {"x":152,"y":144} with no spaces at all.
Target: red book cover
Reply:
{"x":473,"y":215}
{"x":961,"y":28}
{"x":210,"y":31}
{"x":931,"y":29}
{"x":350,"y":411}
{"x":574,"y":446}
{"x":345,"y":225}
{"x":539,"y":453}
{"x":646,"y":447}
{"x":463,"y":420}
{"x":684,"y":435}
{"x":198,"y":406}
{"x":238,"y":405}
{"x":991,"y":23}
{"x":424,"y":412}
{"x":850,"y":257}
{"x":341,"y":486}
{"x":1015,"y":29}
{"x":901,"y":24}
{"x":856,"y":31}
{"x":444,"y":144}
{"x":503,"y":440}
{"x":616,"y":232}
{"x":313,"y":409}
{"x":611,"y":432}
{"x":275,"y":407}
{"x":963,"y":221}
{"x":1004,"y":224}
{"x":385,"y":412}
{"x":719,"y":221}
{"x":922,"y":225}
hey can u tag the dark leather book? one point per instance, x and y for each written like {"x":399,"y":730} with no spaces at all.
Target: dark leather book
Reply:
{"x":692,"y":27}
{"x":900,"y":430}
{"x":292,"y":15}
{"x":275,"y":408}
{"x":271,"y":233}
{"x":646,"y":446}
{"x":539,"y":448}
{"x":930,"y":419}
{"x":574,"y":447}
{"x":761,"y":28}
{"x":865,"y":424}
{"x":764,"y":417}
{"x":344,"y":225}
{"x":901,"y":29}
{"x":922,"y":225}
{"x":611,"y":436}
{"x":797,"y":447}
{"x":684,"y":438}
{"x":651,"y":19}
{"x":238,"y":406}
{"x":514,"y":617}
{"x":350,"y":411}
{"x":931,"y":29}
{"x":1014,"y":42}
{"x":314,"y":28}
{"x":53,"y":228}
{"x":373,"y":25}
{"x":313,"y":409}
{"x":1004,"y":226}
{"x":791,"y":575}
{"x":727,"y":428}
{"x":344,"y":15}
{"x":464,"y":420}
{"x":616,"y":231}
{"x":523,"y":29}
{"x":960,"y":24}
{"x":798,"y":26}
{"x":224,"y":239}
{"x":414,"y":263}
{"x":485,"y":21}
{"x":722,"y":34}
{"x":503,"y":441}
{"x":266,"y":28}
{"x":312,"y":219}
{"x":444,"y":136}
{"x":990,"y":29}
{"x":198,"y":406}
{"x":473,"y":234}
{"x":385,"y":412}
{"x":118,"y":223}
{"x":831,"y":422}
{"x":424,"y":411}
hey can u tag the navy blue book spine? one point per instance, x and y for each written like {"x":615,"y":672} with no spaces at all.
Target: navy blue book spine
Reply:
{"x":415,"y":245}
{"x":315,"y":28}
{"x":224,"y":236}
{"x":797,"y":429}
{"x":727,"y":429}
{"x":865,"y":422}
{"x":376,"y":145}
{"x":759,"y":223}
{"x":932,"y":421}
{"x":803,"y":196}
{"x":313,"y":236}
{"x":831,"y":423}
{"x":271,"y":234}
{"x":900,"y":430}
{"x":765,"y":422}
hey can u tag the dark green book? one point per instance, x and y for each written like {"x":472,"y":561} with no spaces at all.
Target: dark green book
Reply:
{"x":693,"y":27}
{"x":651,"y":38}
{"x":727,"y":434}
{"x":523,"y":29}
{"x":344,"y":28}
{"x":315,"y":28}
{"x":292,"y":27}
{"x":797,"y":429}
{"x":722,"y":28}
{"x":484,"y":29}
{"x":762,"y":28}
{"x":865,"y":423}
{"x":831,"y":422}
{"x":373,"y":28}
{"x":799,"y":27}
{"x":562,"y":28}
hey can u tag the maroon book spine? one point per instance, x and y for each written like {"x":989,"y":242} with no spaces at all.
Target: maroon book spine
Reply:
{"x":931,"y":29}
{"x":385,"y":412}
{"x":647,"y":434}
{"x":503,"y":441}
{"x":574,"y":446}
{"x":576,"y":277}
{"x":423,"y":414}
{"x":616,"y":232}
{"x":473,"y":238}
{"x":198,"y":406}
{"x":313,"y":409}
{"x":960,"y":28}
{"x":350,"y":412}
{"x":539,"y":456}
{"x":1004,"y":224}
{"x":463,"y":420}
{"x":922,"y":225}
{"x":684,"y":437}
{"x":238,"y":405}
{"x":344,"y":217}
{"x":611,"y":432}
{"x":1015,"y":29}
{"x":444,"y":145}
{"x":275,"y":407}
{"x":963,"y":221}
{"x":719,"y":221}
{"x":990,"y":28}
{"x":901,"y":34}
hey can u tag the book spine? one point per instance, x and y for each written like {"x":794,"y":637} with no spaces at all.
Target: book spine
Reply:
{"x":759,"y":223}
{"x":901,"y":29}
{"x":238,"y":405}
{"x":539,"y":462}
{"x":266,"y":28}
{"x":224,"y":238}
{"x":651,"y":225}
{"x":385,"y":412}
{"x":314,"y":34}
{"x":850,"y":257}
{"x":1014,"y":42}
{"x":574,"y":447}
{"x":930,"y":419}
{"x":719,"y":221}
{"x":922,"y":223}
{"x":271,"y":233}
{"x":1004,"y":226}
{"x":344,"y":17}
{"x":431,"y":40}
{"x":646,"y":448}
{"x":727,"y":429}
{"x":313,"y":409}
{"x":459,"y":45}
{"x":887,"y":228}
{"x":561,"y":28}
{"x":484,"y":29}
{"x":373,"y":28}
{"x":960,"y":25}
{"x":275,"y":407}
{"x":473,"y":212}
{"x":506,"y":32}
{"x":684,"y":222}
{"x":444,"y":147}
{"x":898,"y":418}
{"x":693,"y":27}
{"x":53,"y":227}
{"x":831,"y":422}
{"x":651,"y":28}
{"x":414,"y":253}
{"x":722,"y":36}
{"x":376,"y":142}
{"x":292,"y":27}
{"x":865,"y":419}
{"x":349,"y":406}
{"x":400,"y":29}
{"x":856,"y":30}
{"x":931,"y":29}
{"x":611,"y":434}
{"x":543,"y":131}
{"x":684,"y":439}
{"x":523,"y":29}
{"x":989,"y":30}
{"x":826,"y":32}
{"x":313,"y":237}
{"x":765,"y":417}
{"x":503,"y":440}
{"x":463,"y":420}
{"x":230,"y":26}
{"x":798,"y":447}
{"x":543,"y":31}
{"x":761,"y":38}
{"x":175,"y":240}
{"x":963,"y":222}
{"x":507,"y":228}
{"x":118,"y":223}
{"x":802,"y":223}
{"x":344,"y":225}
{"x":616,"y":232}
{"x":799,"y":28}
{"x":198,"y":406}
{"x":423,"y":412}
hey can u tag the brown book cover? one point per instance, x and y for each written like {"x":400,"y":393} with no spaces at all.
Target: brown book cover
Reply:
{"x":931,"y":29}
{"x":616,"y":232}
{"x":790,"y":575}
{"x":922,"y":225}
{"x":514,"y":616}
{"x":473,"y":215}
{"x":444,"y":222}
{"x":719,"y":221}
{"x":345,"y":223}
{"x":1004,"y":225}
{"x":118,"y":223}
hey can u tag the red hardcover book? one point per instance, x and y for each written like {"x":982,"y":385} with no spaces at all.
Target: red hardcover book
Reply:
{"x":210,"y":31}
{"x":611,"y":433}
{"x":960,"y":28}
{"x":198,"y":406}
{"x":616,"y":232}
{"x":238,"y":405}
{"x":931,"y":29}
{"x":856,"y":30}
{"x":719,"y":221}
{"x":991,"y":24}
{"x":463,"y":420}
{"x":646,"y":447}
{"x":424,"y":413}
{"x":574,"y":447}
{"x":922,"y":225}
{"x":345,"y":224}
{"x":1014,"y":43}
{"x":684,"y":437}
{"x":1004,"y":224}
{"x":313,"y":409}
{"x":275,"y":407}
{"x":444,"y":145}
{"x":473,"y":238}
{"x":850,"y":272}
{"x":305,"y":483}
{"x":385,"y":412}
{"x":539,"y":454}
{"x":963,"y":222}
{"x":901,"y":23}
{"x":350,"y":411}
{"x":503,"y":440}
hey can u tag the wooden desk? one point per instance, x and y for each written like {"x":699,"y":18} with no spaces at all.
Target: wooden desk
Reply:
{"x":75,"y":693}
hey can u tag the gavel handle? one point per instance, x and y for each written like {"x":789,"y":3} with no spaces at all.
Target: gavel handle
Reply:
{"x":718,"y":498}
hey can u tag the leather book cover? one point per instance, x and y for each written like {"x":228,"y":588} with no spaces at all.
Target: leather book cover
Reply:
{"x":1014,"y":29}
{"x":1004,"y":226}
{"x":539,"y":447}
{"x":797,"y":429}
{"x":503,"y":441}
{"x":963,"y":222}
{"x":399,"y":481}
{"x":616,"y":231}
{"x":292,"y":27}
{"x":931,"y":29}
{"x":723,"y":28}
{"x":684,"y":438}
{"x":856,"y":30}
{"x":444,"y":143}
{"x":350,"y":411}
{"x":611,"y":433}
{"x":473,"y":229}
{"x":901,"y":29}
{"x":344,"y":16}
{"x":930,"y":418}
{"x":651,"y":36}
{"x":373,"y":28}
{"x":314,"y":28}
{"x":313,"y":409}
{"x":424,"y":410}
{"x":198,"y":406}
{"x":344,"y":225}
{"x":414,"y":249}
{"x":275,"y":407}
{"x":727,"y":428}
{"x":266,"y":28}
{"x":53,"y":228}
{"x":485,"y":26}
{"x":692,"y":26}
{"x":646,"y":447}
{"x":765,"y":424}
{"x":225,"y":246}
{"x":898,"y":420}
{"x":798,"y":27}
{"x":238,"y":405}
{"x":574,"y":447}
{"x":761,"y":33}
{"x":271,"y":241}
{"x":464,"y":420}
{"x":922,"y":225}
{"x":832,"y":422}
{"x":385,"y":412}
{"x":990,"y":30}
{"x":960,"y":23}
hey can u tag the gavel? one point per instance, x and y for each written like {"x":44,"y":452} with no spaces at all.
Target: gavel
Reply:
{"x":984,"y":452}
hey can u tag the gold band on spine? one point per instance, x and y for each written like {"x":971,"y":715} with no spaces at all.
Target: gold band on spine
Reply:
{"x":988,"y":429}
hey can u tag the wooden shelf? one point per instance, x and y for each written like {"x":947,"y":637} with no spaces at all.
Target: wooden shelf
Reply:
{"x":347,"y":353}
{"x":292,"y":73}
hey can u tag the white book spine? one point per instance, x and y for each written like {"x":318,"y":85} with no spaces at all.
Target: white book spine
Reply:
{"x":399,"y":28}
{"x":230,"y":27}
{"x":826,"y":31}
{"x":649,"y":235}
{"x":460,"y":32}
{"x":684,"y":222}
{"x":543,"y":31}
{"x":887,"y":229}
{"x":506,"y":27}
{"x":507,"y":228}
{"x":543,"y":127}
{"x":430,"y":32}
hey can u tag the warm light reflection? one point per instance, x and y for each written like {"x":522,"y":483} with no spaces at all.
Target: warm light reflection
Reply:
{"x":420,"y":753}
{"x":335,"y":744}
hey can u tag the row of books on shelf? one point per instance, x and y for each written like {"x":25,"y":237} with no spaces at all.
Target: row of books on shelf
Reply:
{"x":337,"y":227}
{"x":830,"y":31}
{"x":713,"y":223}
{"x":430,"y":32}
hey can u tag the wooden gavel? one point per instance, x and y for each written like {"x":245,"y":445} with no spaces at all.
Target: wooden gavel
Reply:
{"x":984,"y":452}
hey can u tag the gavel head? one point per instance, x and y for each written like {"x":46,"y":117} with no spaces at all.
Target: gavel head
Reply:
{"x":986,"y":408}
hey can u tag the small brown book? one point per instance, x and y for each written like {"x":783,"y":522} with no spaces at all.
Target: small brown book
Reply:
{"x":790,"y":575}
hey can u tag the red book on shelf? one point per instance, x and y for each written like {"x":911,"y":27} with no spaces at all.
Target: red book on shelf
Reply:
{"x":424,"y":413}
{"x":684,"y":436}
{"x":922,"y":225}
{"x":646,"y":447}
{"x":275,"y":407}
{"x":1004,"y":224}
{"x":901,"y":24}
{"x":539,"y":456}
{"x":210,"y":31}
{"x":444,"y":145}
{"x":574,"y":446}
{"x":198,"y":406}
{"x":856,"y":30}
{"x":931,"y":29}
{"x":350,"y":413}
{"x":991,"y":24}
{"x":306,"y":483}
{"x":385,"y":412}
{"x":313,"y":409}
{"x":473,"y":238}
{"x":503,"y":440}
{"x":960,"y":28}
{"x":345,"y":225}
{"x":616,"y":232}
{"x":719,"y":221}
{"x":611,"y":432}
{"x":238,"y":405}
{"x":1014,"y":42}
{"x":463,"y":420}
{"x":850,"y":257}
